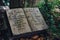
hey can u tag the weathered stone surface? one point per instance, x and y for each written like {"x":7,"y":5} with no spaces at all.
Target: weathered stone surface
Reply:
{"x":25,"y":20}
{"x":18,"y":21}
{"x":35,"y":19}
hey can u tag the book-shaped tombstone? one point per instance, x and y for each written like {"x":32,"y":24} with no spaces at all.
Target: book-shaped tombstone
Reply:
{"x":35,"y":19}
{"x":18,"y":21}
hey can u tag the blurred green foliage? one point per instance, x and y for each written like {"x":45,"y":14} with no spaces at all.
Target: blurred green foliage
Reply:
{"x":6,"y":2}
{"x":46,"y":7}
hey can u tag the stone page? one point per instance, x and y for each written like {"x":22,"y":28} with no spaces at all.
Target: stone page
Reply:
{"x":35,"y":19}
{"x":18,"y":21}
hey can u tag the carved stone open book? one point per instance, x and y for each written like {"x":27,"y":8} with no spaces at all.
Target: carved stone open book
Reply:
{"x":25,"y":20}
